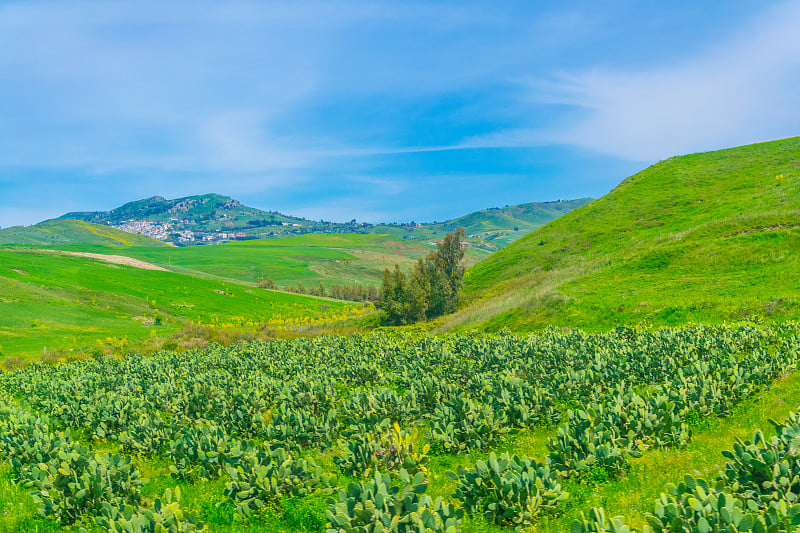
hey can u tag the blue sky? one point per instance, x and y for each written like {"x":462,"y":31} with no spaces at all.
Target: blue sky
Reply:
{"x":379,"y":111}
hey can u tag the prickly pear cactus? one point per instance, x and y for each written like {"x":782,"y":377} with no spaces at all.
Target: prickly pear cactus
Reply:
{"x":509,"y":490}
{"x":376,"y":505}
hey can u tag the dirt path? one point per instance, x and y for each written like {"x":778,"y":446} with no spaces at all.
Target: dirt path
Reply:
{"x":116,"y":259}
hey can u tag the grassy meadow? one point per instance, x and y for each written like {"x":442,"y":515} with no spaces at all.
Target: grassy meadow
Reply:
{"x":308,"y":259}
{"x":57,"y":303}
{"x":311,"y":259}
{"x":703,"y":238}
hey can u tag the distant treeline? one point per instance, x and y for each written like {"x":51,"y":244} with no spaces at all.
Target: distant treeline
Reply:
{"x":264,"y":222}
{"x":430,"y":289}
{"x":353,"y":293}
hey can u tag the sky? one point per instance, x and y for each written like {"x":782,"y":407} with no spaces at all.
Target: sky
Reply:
{"x":376,"y":110}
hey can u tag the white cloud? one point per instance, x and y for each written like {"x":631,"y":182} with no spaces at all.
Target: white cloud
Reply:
{"x":119,"y":85}
{"x":203,"y":86}
{"x":741,"y":91}
{"x":199,"y":86}
{"x":238,"y":142}
{"x":381,"y":186}
{"x":258,"y":98}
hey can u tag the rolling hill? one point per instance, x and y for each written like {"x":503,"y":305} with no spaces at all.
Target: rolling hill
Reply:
{"x":57,"y":302}
{"x":331,"y":259}
{"x":213,"y":218}
{"x":707,"y":237}
{"x":58,"y":232}
{"x":193,"y":219}
{"x":489,"y":228}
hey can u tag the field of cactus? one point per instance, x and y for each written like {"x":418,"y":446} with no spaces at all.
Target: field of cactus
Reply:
{"x":400,"y":433}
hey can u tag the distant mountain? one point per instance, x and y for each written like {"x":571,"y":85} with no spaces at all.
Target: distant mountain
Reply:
{"x":207,"y":211}
{"x":56,"y":232}
{"x":193,"y":219}
{"x":492,"y":228}
{"x":213,"y":218}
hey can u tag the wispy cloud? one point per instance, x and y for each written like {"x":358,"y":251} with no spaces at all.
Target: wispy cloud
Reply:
{"x":739,"y":91}
{"x":382,"y":185}
{"x":368,"y":101}
{"x":201,"y":85}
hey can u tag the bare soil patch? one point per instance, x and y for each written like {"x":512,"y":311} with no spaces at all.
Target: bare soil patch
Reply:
{"x":115,"y":259}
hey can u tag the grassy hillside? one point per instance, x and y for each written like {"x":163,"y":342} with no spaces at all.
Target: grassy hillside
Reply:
{"x":56,"y":232}
{"x":213,"y":218}
{"x":343,"y":259}
{"x":63,"y":302}
{"x":705,"y":237}
{"x":193,"y":219}
{"x":489,"y":229}
{"x":210,"y":212}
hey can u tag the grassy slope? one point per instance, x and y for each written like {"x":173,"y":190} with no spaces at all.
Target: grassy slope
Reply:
{"x":64,"y":302}
{"x":210,"y":213}
{"x":56,"y":232}
{"x":313,"y":258}
{"x":505,"y":225}
{"x":489,"y":229}
{"x":704,"y":237}
{"x":310,"y":259}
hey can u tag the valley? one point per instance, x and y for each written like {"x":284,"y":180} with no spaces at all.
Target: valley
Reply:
{"x":399,"y":267}
{"x":613,"y":369}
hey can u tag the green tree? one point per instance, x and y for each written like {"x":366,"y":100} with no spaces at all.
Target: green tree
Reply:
{"x":435,"y":284}
{"x":432,"y":287}
{"x":449,"y":255}
{"x":268,"y":283}
{"x":393,"y":289}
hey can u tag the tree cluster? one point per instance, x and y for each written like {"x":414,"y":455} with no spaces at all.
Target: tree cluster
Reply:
{"x":430,"y":289}
{"x":353,"y":293}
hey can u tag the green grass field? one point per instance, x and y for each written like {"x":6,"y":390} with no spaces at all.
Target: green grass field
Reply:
{"x":343,"y":259}
{"x":708,"y":237}
{"x":57,"y":302}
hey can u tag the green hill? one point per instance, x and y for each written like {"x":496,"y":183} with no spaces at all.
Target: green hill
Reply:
{"x":707,"y":237}
{"x":489,"y":229}
{"x":52,"y":301}
{"x":343,"y":259}
{"x":207,"y":213}
{"x":213,"y":218}
{"x":59,"y":232}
